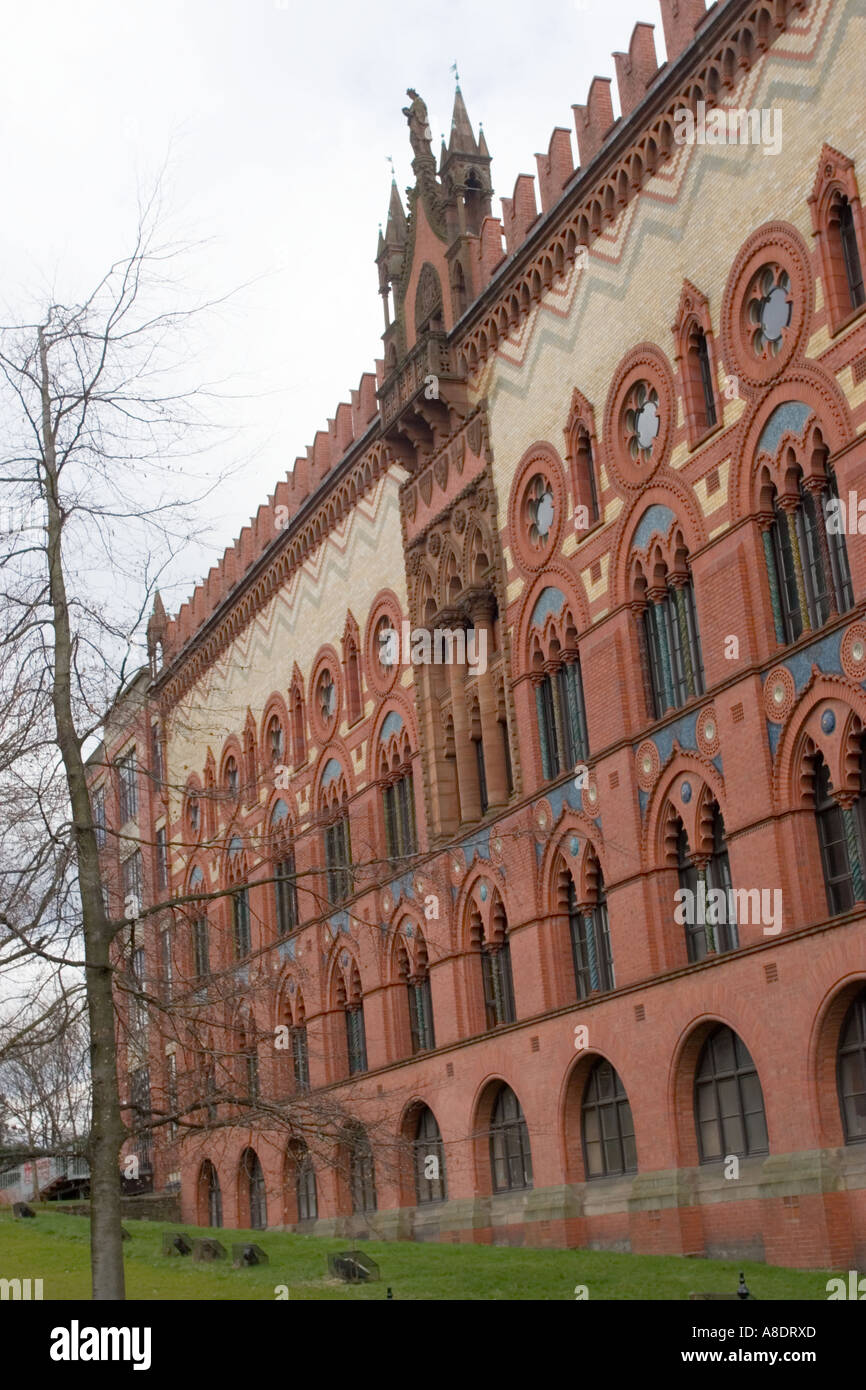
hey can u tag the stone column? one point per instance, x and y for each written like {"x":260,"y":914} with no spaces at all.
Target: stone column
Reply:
{"x":852,"y":843}
{"x":789,"y":505}
{"x":656,"y":599}
{"x":816,"y":488}
{"x":765,"y":522}
{"x":678,"y":584}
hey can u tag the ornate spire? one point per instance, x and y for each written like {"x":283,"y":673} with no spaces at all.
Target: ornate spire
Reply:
{"x":462,"y":139}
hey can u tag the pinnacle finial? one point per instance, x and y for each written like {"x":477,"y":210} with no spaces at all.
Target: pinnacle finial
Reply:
{"x":455,"y":72}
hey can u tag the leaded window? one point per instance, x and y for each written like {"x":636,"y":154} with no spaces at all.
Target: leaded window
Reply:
{"x":356,"y":1038}
{"x":851,"y":1071}
{"x":286,"y":894}
{"x":606,"y":1125}
{"x":241,"y":922}
{"x":729,"y":1103}
{"x":429,"y":1159}
{"x":510,"y":1157}
{"x":591,"y":951}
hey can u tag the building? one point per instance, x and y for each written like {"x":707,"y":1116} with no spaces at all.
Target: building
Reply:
{"x":484,"y":902}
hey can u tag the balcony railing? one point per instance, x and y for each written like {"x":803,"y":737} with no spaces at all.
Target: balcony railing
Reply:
{"x":430,"y":357}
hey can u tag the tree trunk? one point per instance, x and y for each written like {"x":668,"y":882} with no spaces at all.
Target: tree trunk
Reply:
{"x":107,"y":1129}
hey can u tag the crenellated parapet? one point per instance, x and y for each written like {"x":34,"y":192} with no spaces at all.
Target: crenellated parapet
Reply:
{"x":330,"y":448}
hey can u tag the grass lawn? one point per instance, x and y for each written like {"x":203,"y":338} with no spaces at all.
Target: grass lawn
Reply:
{"x":55,"y":1248}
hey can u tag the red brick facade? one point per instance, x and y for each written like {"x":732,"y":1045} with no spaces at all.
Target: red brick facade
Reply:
{"x":675,"y":690}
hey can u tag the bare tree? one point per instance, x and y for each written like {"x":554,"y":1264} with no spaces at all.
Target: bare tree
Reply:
{"x":98,"y":409}
{"x":96,"y":413}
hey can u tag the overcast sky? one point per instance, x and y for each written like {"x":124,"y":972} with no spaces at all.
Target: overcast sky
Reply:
{"x":277,"y":117}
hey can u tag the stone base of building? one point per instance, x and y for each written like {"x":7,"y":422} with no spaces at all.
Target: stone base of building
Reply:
{"x":800,"y":1210}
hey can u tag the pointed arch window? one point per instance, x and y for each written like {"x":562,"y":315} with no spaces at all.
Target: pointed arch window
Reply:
{"x":362,"y":1174}
{"x":589,"y":930}
{"x":729,"y":1102}
{"x":353,"y":679}
{"x":561,"y":713}
{"x":255,"y":1181}
{"x":232,"y":776}
{"x":300,"y":1056}
{"x":607,"y":1127}
{"x":510,"y":1155}
{"x":299,"y":737}
{"x":837,"y":223}
{"x":305,"y":1187}
{"x":211,"y":1182}
{"x":276,"y":740}
{"x":398,"y":801}
{"x":356,"y":1032}
{"x":807,"y":560}
{"x":338,"y":858}
{"x":420,"y":998}
{"x":851,"y":1071}
{"x":839,"y":843}
{"x":850,"y":253}
{"x":428,"y":1154}
{"x":496,"y":976}
{"x":676,"y":667}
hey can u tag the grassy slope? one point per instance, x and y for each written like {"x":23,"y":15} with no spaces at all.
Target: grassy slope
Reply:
{"x":54,"y":1247}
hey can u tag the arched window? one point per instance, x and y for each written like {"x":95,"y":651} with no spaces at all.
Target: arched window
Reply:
{"x":561,"y":715}
{"x":352,"y":668}
{"x":285,"y":882}
{"x":276,"y":740}
{"x":850,"y":253}
{"x":835,"y":857}
{"x":210,"y":1184}
{"x":729,"y":1103}
{"x":580,"y":454}
{"x":362,"y":1173}
{"x":707,"y":908}
{"x":851,"y":1071}
{"x":496,"y":976}
{"x":249,"y":1058}
{"x":584,"y":470}
{"x":706,"y":397}
{"x":721,"y":920}
{"x":338,"y":858}
{"x":695,"y":358}
{"x":306,"y":1194}
{"x":352,"y":1001}
{"x":606,"y":1125}
{"x":417,"y":979}
{"x":590,"y":939}
{"x":299,"y":737}
{"x":510,"y":1157}
{"x":837,"y":224}
{"x":241,"y":922}
{"x":232,"y":776}
{"x":240,"y":898}
{"x":429,"y":1159}
{"x":398,"y":800}
{"x":676,"y":667}
{"x":807,"y":556}
{"x":252,"y":1175}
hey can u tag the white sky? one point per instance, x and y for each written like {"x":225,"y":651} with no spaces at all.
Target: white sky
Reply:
{"x":278,"y":116}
